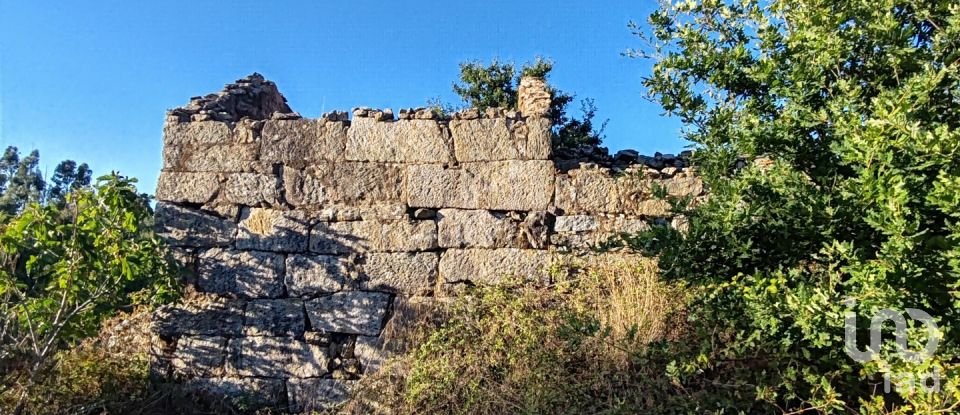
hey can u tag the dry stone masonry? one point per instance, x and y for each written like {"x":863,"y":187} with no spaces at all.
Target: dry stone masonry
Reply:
{"x":301,"y":237}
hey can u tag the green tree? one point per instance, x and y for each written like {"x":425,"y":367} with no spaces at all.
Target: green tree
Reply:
{"x":854,"y":104}
{"x":495,"y":85}
{"x":22,"y":183}
{"x":63,"y":269}
{"x":67,"y":177}
{"x":20,"y":180}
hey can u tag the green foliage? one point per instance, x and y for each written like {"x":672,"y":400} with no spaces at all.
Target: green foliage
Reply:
{"x":855,"y":104}
{"x":22,"y":183}
{"x":488,"y":86}
{"x":20,"y":180}
{"x":495,"y":86}
{"x":64,"y":269}
{"x":68,"y":177}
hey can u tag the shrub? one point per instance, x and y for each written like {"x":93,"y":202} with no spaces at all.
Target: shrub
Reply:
{"x":65,"y":268}
{"x":853,"y":106}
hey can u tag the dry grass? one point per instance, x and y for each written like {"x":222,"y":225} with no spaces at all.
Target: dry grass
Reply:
{"x":528,"y":348}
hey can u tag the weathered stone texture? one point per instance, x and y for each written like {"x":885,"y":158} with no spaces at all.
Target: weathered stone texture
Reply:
{"x":280,"y":318}
{"x":505,"y":185}
{"x":495,"y":139}
{"x":273,"y":230}
{"x":181,"y":226}
{"x":595,"y":191}
{"x":245,"y":274}
{"x":370,"y":236}
{"x":401,"y":272}
{"x":370,"y":350}
{"x":575,"y":223}
{"x":305,"y":241}
{"x":215,"y":158}
{"x":352,"y":312}
{"x":316,"y":395}
{"x":348,"y":183}
{"x":587,"y":191}
{"x":405,"y":141}
{"x":197,"y":134}
{"x":476,"y":229}
{"x":252,"y":189}
{"x":584,"y":231}
{"x":533,"y":97}
{"x":198,"y":188}
{"x":302,"y":141}
{"x":315,"y":274}
{"x":202,"y":356}
{"x":490,"y":266}
{"x":277,"y":357}
{"x":216,"y":317}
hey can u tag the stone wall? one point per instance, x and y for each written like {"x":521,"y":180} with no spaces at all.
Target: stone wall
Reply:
{"x":300,"y":237}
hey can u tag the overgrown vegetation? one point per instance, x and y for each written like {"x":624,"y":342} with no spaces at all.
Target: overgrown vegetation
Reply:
{"x":522,"y":348}
{"x":64,"y":268}
{"x":494,"y":85}
{"x":855,"y":104}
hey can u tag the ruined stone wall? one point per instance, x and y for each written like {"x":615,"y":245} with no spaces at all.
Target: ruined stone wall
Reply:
{"x":300,"y":237}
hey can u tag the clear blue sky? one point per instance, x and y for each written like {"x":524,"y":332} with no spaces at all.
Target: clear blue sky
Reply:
{"x":90,"y":80}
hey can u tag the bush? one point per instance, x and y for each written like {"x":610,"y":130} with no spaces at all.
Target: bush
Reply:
{"x":849,"y":108}
{"x":65,"y":268}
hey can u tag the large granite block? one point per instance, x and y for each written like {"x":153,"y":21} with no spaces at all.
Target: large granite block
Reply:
{"x":215,"y":317}
{"x":197,"y":134}
{"x":302,"y":141}
{"x":349,"y":183}
{"x":409,"y":273}
{"x":245,"y":274}
{"x":500,"y":185}
{"x":217,"y":158}
{"x":252,"y":189}
{"x":476,"y":229}
{"x":278,"y":318}
{"x":341,"y":238}
{"x":496,"y":139}
{"x":181,"y":226}
{"x":308,"y":275}
{"x":350,"y":312}
{"x":405,"y":141}
{"x":202,"y":356}
{"x":596,"y":191}
{"x":273,"y":230}
{"x":491,"y":266}
{"x":277,"y":357}
{"x":587,"y":191}
{"x":197,"y":188}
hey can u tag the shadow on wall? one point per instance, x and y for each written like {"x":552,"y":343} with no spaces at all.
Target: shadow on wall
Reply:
{"x":280,"y":313}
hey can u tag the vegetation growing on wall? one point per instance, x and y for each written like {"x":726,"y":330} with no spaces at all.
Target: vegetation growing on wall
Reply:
{"x":494,"y":85}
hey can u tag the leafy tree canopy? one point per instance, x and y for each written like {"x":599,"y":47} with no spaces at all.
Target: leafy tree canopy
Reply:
{"x":854,"y":103}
